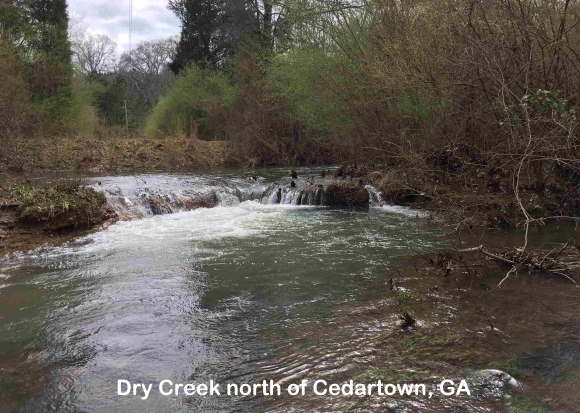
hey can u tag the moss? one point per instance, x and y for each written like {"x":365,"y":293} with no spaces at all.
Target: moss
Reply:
{"x":509,"y":366}
{"x":521,"y":404}
{"x":66,"y":204}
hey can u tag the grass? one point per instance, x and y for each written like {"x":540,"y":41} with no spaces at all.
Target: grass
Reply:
{"x":60,"y":205}
{"x":521,"y":404}
{"x":99,"y":156}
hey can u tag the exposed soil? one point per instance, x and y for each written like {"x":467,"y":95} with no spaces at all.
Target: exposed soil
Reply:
{"x":39,"y":214}
{"x":20,"y":238}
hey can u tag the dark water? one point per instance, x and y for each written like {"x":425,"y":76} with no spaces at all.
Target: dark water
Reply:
{"x":238,"y":293}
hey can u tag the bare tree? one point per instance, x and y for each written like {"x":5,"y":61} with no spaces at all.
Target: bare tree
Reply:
{"x":94,"y":54}
{"x":147,"y":68}
{"x":150,"y":57}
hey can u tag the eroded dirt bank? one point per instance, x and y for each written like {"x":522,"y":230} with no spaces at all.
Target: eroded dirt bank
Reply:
{"x":34,"y":214}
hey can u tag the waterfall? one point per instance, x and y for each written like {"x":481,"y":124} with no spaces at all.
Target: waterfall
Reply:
{"x":141,"y":196}
{"x":303,"y":194}
{"x":138,"y":197}
{"x":375,"y":197}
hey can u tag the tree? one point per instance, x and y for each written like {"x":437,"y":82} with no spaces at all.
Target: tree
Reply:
{"x":38,"y":31}
{"x":147,"y":68}
{"x":53,"y":73}
{"x":94,"y":54}
{"x":200,"y":41}
{"x":212,"y":30}
{"x":152,"y":57}
{"x":17,"y":115}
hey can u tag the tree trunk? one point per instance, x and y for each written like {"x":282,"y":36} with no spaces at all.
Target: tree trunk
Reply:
{"x":268,"y":25}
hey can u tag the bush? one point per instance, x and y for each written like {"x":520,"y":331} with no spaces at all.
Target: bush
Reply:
{"x":84,"y":119}
{"x":316,"y":86}
{"x":191,"y":107}
{"x":18,"y":116}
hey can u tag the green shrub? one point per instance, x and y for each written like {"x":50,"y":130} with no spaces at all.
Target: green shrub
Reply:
{"x":18,"y":117}
{"x":197,"y":96}
{"x":314,"y":85}
{"x":84,"y":118}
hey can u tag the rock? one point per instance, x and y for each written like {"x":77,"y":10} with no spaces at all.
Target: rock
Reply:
{"x":347,"y":195}
{"x":202,"y":201}
{"x":159,"y":205}
{"x":492,"y":383}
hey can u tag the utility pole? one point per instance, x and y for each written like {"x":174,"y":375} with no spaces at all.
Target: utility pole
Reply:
{"x":126,"y":119}
{"x":130,"y":66}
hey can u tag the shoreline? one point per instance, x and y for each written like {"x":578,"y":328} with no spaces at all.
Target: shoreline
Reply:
{"x":463,"y":211}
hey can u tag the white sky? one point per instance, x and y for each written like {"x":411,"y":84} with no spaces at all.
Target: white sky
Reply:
{"x":151,"y":19}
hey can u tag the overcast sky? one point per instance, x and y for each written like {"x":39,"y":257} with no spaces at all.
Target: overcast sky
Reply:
{"x":151,"y":19}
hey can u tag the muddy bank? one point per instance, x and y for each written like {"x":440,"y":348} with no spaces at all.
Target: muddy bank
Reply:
{"x":466,"y":328}
{"x":467,"y":188}
{"x":34,"y":214}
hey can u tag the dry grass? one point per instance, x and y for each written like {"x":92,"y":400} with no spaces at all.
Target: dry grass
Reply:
{"x":97,"y":156}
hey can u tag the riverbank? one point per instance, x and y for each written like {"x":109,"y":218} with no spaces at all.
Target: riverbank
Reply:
{"x":35,"y":214}
{"x":466,"y":188}
{"x":115,"y":155}
{"x":474,"y":196}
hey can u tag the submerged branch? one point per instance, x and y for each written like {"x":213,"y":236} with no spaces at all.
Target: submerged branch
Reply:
{"x":518,"y":259}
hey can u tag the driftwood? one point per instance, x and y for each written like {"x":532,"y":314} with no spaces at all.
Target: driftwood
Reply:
{"x":519,"y":259}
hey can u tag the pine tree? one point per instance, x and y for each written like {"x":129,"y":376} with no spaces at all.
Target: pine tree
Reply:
{"x":200,"y":34}
{"x":212,"y":30}
{"x":51,"y":71}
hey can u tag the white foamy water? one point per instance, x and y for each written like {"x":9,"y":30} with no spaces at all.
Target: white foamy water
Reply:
{"x":162,"y":232}
{"x":403,"y":210}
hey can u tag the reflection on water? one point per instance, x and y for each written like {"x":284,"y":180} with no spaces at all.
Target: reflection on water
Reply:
{"x":236,"y":293}
{"x":188,"y":296}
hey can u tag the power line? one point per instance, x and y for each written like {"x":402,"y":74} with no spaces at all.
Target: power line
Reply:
{"x":131,"y":31}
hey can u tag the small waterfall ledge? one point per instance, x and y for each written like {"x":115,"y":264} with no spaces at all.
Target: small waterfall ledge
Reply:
{"x":137,"y":197}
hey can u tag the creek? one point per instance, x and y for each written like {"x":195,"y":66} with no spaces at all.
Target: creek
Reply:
{"x":261,"y":286}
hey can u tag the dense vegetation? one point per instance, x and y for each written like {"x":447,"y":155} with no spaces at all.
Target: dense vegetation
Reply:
{"x":478,"y":95}
{"x":36,"y":66}
{"x":320,"y":80}
{"x":58,"y":82}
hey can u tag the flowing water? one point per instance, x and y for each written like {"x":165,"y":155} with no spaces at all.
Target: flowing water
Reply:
{"x":249,"y":290}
